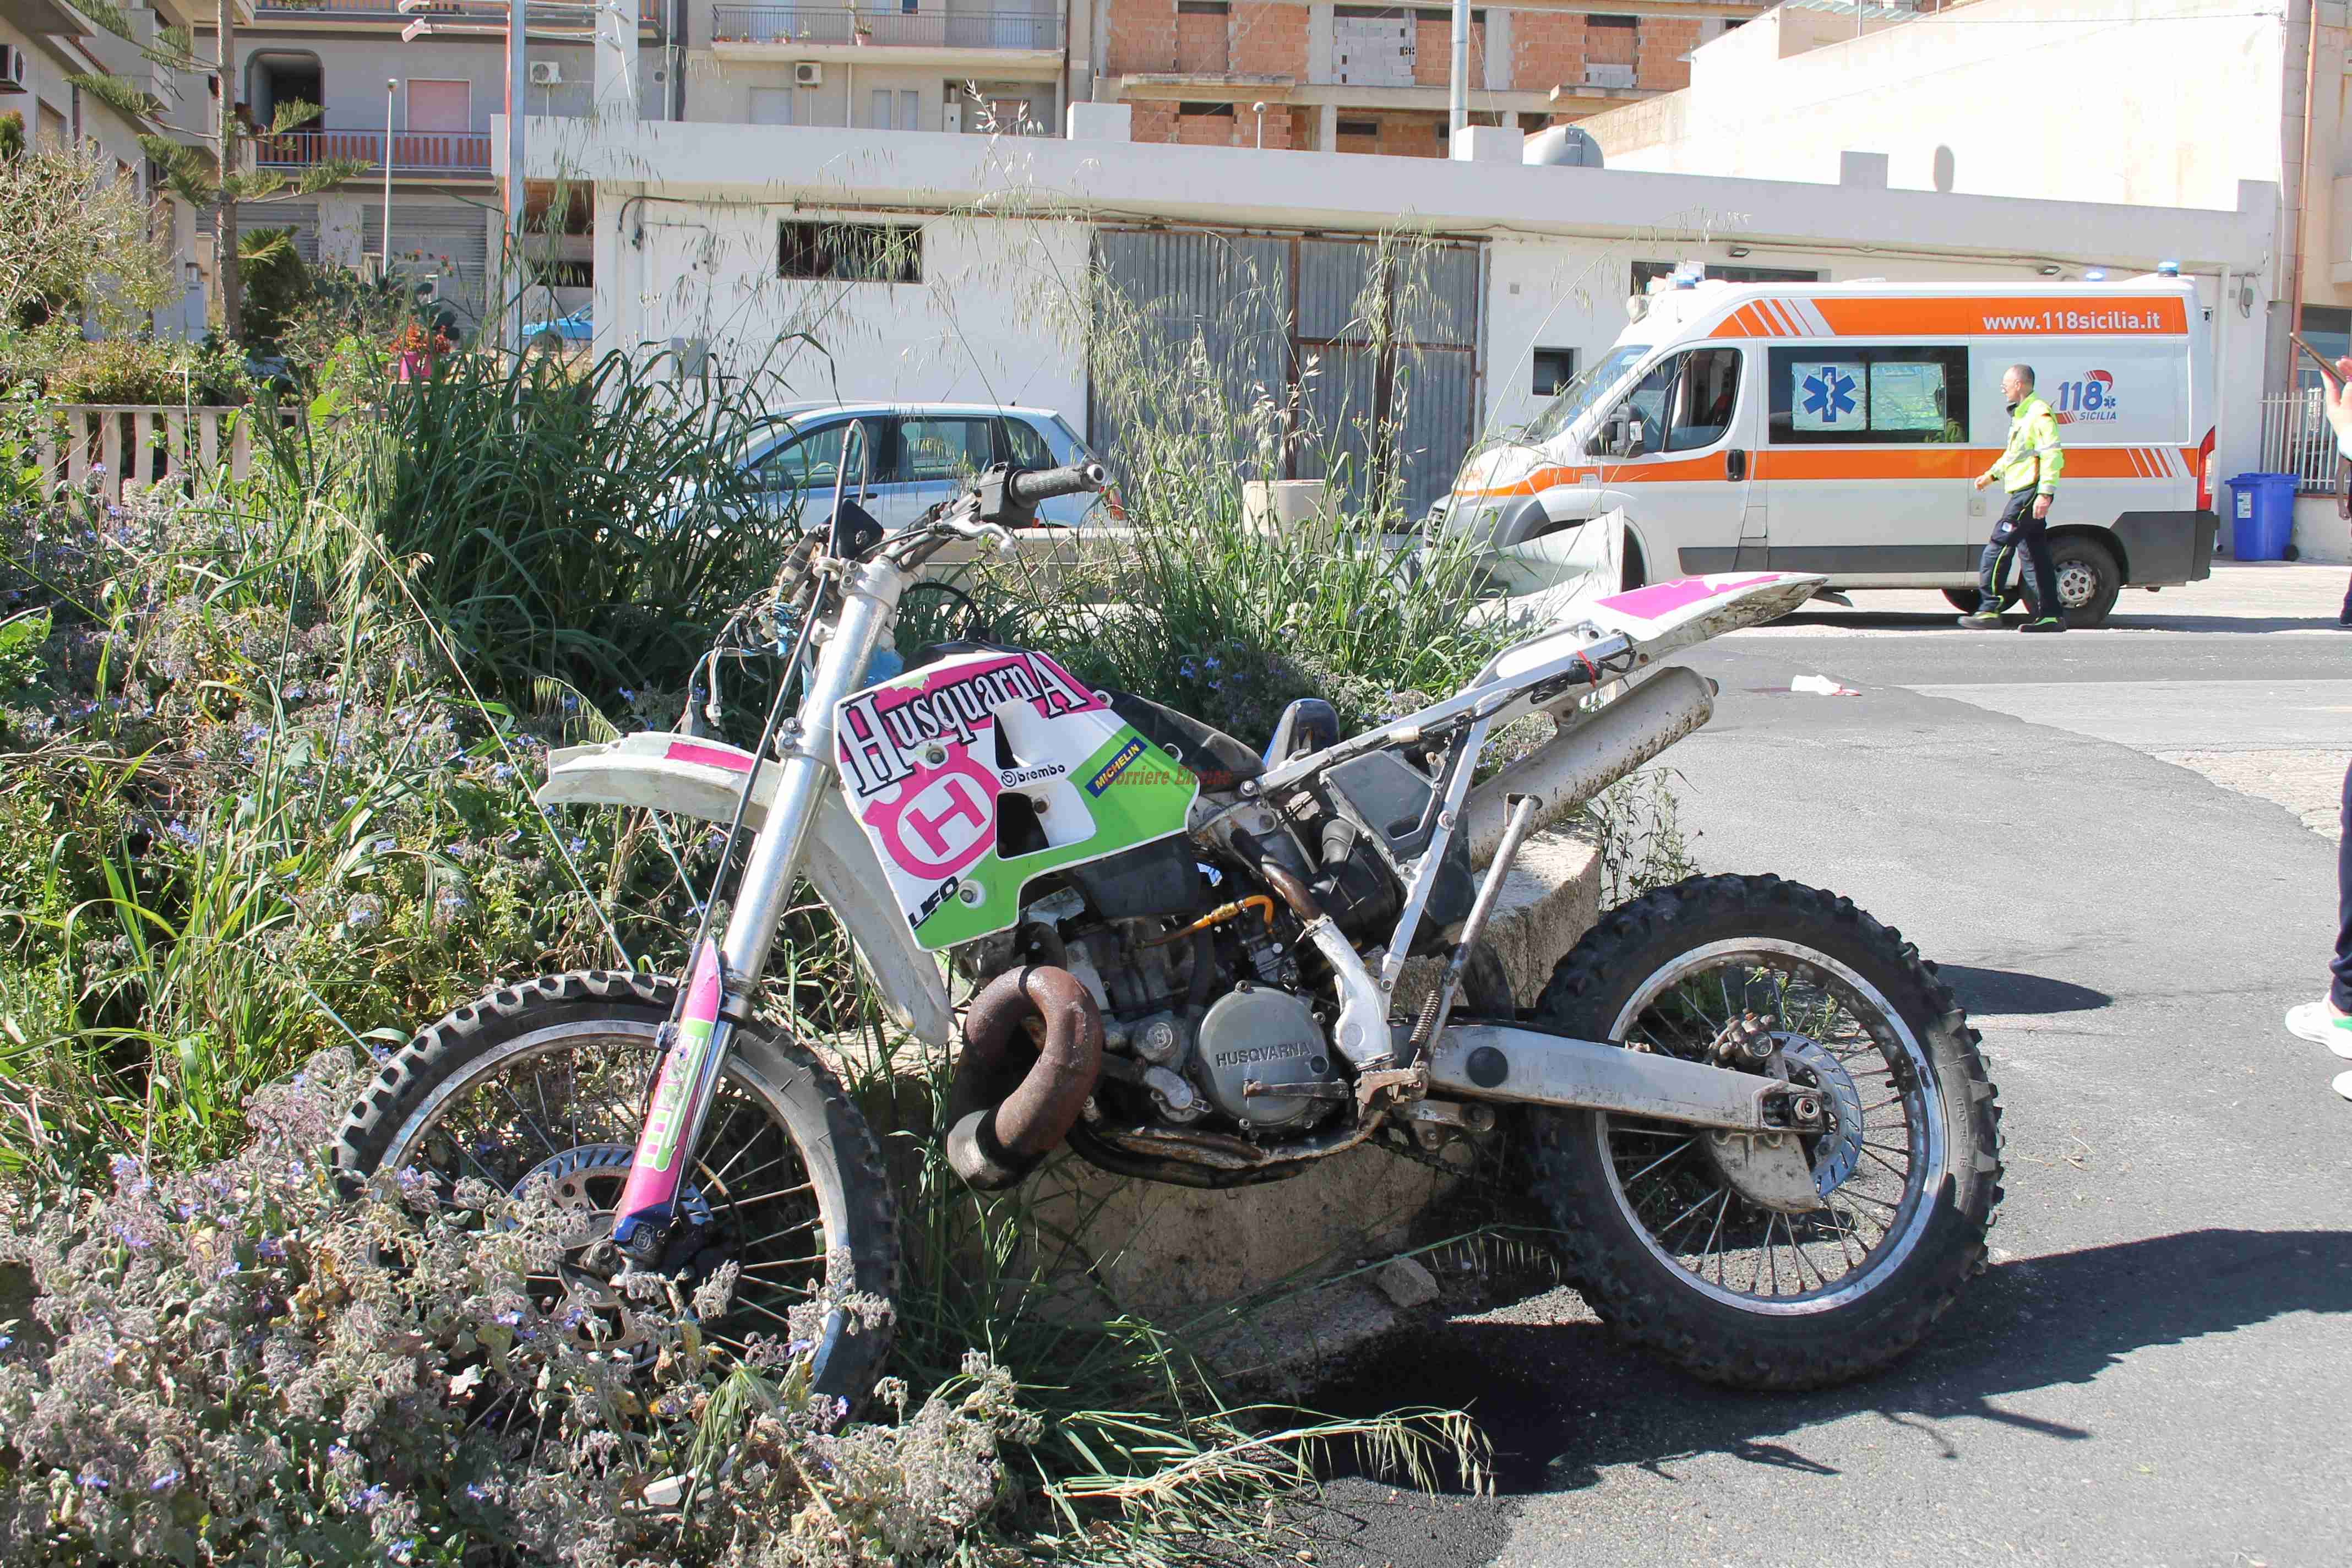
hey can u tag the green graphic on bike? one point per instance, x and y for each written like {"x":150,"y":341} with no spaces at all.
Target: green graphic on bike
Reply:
{"x":934,"y":760}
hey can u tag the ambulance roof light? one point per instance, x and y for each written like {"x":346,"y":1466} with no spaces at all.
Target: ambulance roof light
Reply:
{"x":2167,"y":269}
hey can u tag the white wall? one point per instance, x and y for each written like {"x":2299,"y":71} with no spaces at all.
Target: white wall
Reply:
{"x":988,"y":323}
{"x":2161,"y":102}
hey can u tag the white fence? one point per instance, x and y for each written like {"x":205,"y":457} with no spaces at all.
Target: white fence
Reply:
{"x":105,"y":449}
{"x":2296,"y":439}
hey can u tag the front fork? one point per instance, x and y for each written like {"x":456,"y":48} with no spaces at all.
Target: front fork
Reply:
{"x":696,"y":1051}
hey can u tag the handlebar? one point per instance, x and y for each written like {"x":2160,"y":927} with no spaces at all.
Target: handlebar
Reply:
{"x":1038,"y":485}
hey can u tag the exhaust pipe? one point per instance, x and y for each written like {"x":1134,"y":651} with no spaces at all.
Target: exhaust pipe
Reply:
{"x":1011,"y":1102}
{"x":1571,"y":768}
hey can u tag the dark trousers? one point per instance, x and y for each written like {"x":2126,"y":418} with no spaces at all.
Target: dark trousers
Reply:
{"x":2339,"y":990}
{"x":2018,"y":529}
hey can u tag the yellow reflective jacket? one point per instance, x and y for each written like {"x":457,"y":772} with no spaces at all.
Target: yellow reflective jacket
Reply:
{"x":2032,"y":453}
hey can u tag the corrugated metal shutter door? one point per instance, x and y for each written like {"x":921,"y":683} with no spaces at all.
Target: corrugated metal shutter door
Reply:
{"x":302,"y":217}
{"x":1265,"y":310}
{"x":446,"y":242}
{"x":1228,"y":294}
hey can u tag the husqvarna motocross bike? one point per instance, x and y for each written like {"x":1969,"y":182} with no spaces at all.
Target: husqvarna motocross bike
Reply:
{"x":1761,"y":1123}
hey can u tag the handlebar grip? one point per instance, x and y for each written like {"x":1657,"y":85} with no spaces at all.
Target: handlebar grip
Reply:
{"x":1032,"y":485}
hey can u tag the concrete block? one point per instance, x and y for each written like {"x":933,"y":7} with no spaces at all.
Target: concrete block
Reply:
{"x":1101,"y":122}
{"x":1182,"y":1257}
{"x":1488,"y":144}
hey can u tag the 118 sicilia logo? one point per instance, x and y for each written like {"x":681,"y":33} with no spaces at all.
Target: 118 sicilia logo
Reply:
{"x":2090,"y":400}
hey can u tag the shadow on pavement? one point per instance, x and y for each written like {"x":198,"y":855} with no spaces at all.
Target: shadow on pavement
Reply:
{"x":2008,"y":991}
{"x":1562,"y":1401}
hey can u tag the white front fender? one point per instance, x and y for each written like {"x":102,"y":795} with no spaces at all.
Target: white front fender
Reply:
{"x":690,"y":777}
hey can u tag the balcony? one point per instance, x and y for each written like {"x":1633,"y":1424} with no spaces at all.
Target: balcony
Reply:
{"x":491,"y":13}
{"x":432,"y":154}
{"x":817,"y":32}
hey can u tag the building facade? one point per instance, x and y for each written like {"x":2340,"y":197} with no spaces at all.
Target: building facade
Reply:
{"x":2166,"y":102}
{"x":1528,"y":268}
{"x":43,"y":44}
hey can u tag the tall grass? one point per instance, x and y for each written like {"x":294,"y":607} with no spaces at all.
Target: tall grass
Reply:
{"x":268,"y":792}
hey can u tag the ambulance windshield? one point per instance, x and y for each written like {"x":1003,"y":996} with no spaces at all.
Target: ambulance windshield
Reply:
{"x":1580,"y":394}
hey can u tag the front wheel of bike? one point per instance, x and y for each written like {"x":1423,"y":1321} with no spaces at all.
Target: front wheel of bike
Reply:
{"x":1908,"y":1168}
{"x":547,"y":1079}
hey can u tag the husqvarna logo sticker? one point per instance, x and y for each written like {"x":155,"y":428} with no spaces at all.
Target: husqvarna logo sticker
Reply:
{"x":885,"y":734}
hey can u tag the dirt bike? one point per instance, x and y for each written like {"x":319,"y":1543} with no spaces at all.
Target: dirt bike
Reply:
{"x":1761,"y":1123}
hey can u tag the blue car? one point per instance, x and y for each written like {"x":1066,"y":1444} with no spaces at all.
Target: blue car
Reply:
{"x":575,"y":327}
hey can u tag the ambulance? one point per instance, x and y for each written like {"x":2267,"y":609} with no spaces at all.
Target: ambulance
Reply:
{"x":1837,"y":428}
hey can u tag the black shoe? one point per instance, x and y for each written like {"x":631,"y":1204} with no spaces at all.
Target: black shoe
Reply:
{"x":2046,"y":624}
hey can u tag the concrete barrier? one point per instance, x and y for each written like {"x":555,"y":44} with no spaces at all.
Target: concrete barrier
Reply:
{"x":1203,"y":1263}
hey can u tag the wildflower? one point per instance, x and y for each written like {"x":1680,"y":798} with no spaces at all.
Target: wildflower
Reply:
{"x":168,"y":1478}
{"x":269,"y":1246}
{"x":92,"y":1481}
{"x":364,"y":914}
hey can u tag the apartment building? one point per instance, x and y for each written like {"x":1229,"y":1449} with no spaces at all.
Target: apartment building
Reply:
{"x":1375,"y":78}
{"x":43,"y":44}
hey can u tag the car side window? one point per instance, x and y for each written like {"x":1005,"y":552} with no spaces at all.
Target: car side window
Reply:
{"x":1024,"y":447}
{"x":805,"y":461}
{"x":1703,"y":406}
{"x":940,"y":449}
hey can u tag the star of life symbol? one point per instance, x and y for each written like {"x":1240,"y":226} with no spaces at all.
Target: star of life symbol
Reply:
{"x":1829,"y":394}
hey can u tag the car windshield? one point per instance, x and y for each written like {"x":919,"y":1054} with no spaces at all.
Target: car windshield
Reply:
{"x":1580,"y":394}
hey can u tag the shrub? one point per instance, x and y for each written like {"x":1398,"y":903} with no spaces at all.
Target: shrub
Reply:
{"x":235,"y":1366}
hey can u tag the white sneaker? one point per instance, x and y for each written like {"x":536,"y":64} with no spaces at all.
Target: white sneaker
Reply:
{"x":2322,"y":1025}
{"x":2343,"y":1084}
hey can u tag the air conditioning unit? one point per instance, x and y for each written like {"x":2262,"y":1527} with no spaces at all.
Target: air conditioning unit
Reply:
{"x":546,"y":73}
{"x":808,"y":73}
{"x":12,"y":69}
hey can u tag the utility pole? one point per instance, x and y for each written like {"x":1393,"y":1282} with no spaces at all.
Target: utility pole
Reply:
{"x":383,"y":262}
{"x":518,"y":92}
{"x":1457,"y":91}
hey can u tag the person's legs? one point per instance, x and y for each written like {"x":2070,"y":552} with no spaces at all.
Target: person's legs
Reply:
{"x":2339,"y":991}
{"x":2329,"y":1023}
{"x":1988,"y":570}
{"x":2345,"y":616}
{"x":2040,"y":574}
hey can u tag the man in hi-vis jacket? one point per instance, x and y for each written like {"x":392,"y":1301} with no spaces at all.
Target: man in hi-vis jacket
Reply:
{"x":2028,"y":468}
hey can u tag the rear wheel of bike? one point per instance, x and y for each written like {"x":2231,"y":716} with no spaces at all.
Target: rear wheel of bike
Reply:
{"x":547,"y":1079}
{"x":1908,"y":1170}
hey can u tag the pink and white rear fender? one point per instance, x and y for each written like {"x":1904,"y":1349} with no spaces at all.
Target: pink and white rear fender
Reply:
{"x":690,"y":777}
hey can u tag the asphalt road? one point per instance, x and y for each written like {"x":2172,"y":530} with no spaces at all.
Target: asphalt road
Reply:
{"x":2158,"y":1369}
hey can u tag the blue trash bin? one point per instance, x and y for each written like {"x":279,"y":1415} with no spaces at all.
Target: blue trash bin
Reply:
{"x":2261,"y":516}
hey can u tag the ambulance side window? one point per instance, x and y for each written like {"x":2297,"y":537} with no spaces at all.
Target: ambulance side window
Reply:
{"x":1640,"y":422}
{"x":1833,"y":394}
{"x":1709,"y":394}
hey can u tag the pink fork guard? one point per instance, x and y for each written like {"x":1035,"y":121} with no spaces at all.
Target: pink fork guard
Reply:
{"x":658,"y":1168}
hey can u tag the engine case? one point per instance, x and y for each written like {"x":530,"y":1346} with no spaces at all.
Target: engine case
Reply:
{"x":1257,"y":1033}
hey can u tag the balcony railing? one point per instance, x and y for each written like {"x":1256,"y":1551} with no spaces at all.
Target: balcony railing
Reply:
{"x":649,"y":12}
{"x":886,"y":28}
{"x":448,"y":153}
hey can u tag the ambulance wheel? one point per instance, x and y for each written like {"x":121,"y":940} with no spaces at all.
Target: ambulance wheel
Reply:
{"x":2088,"y":579}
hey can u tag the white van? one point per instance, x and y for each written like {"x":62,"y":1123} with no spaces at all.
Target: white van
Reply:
{"x":1836,"y":428}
